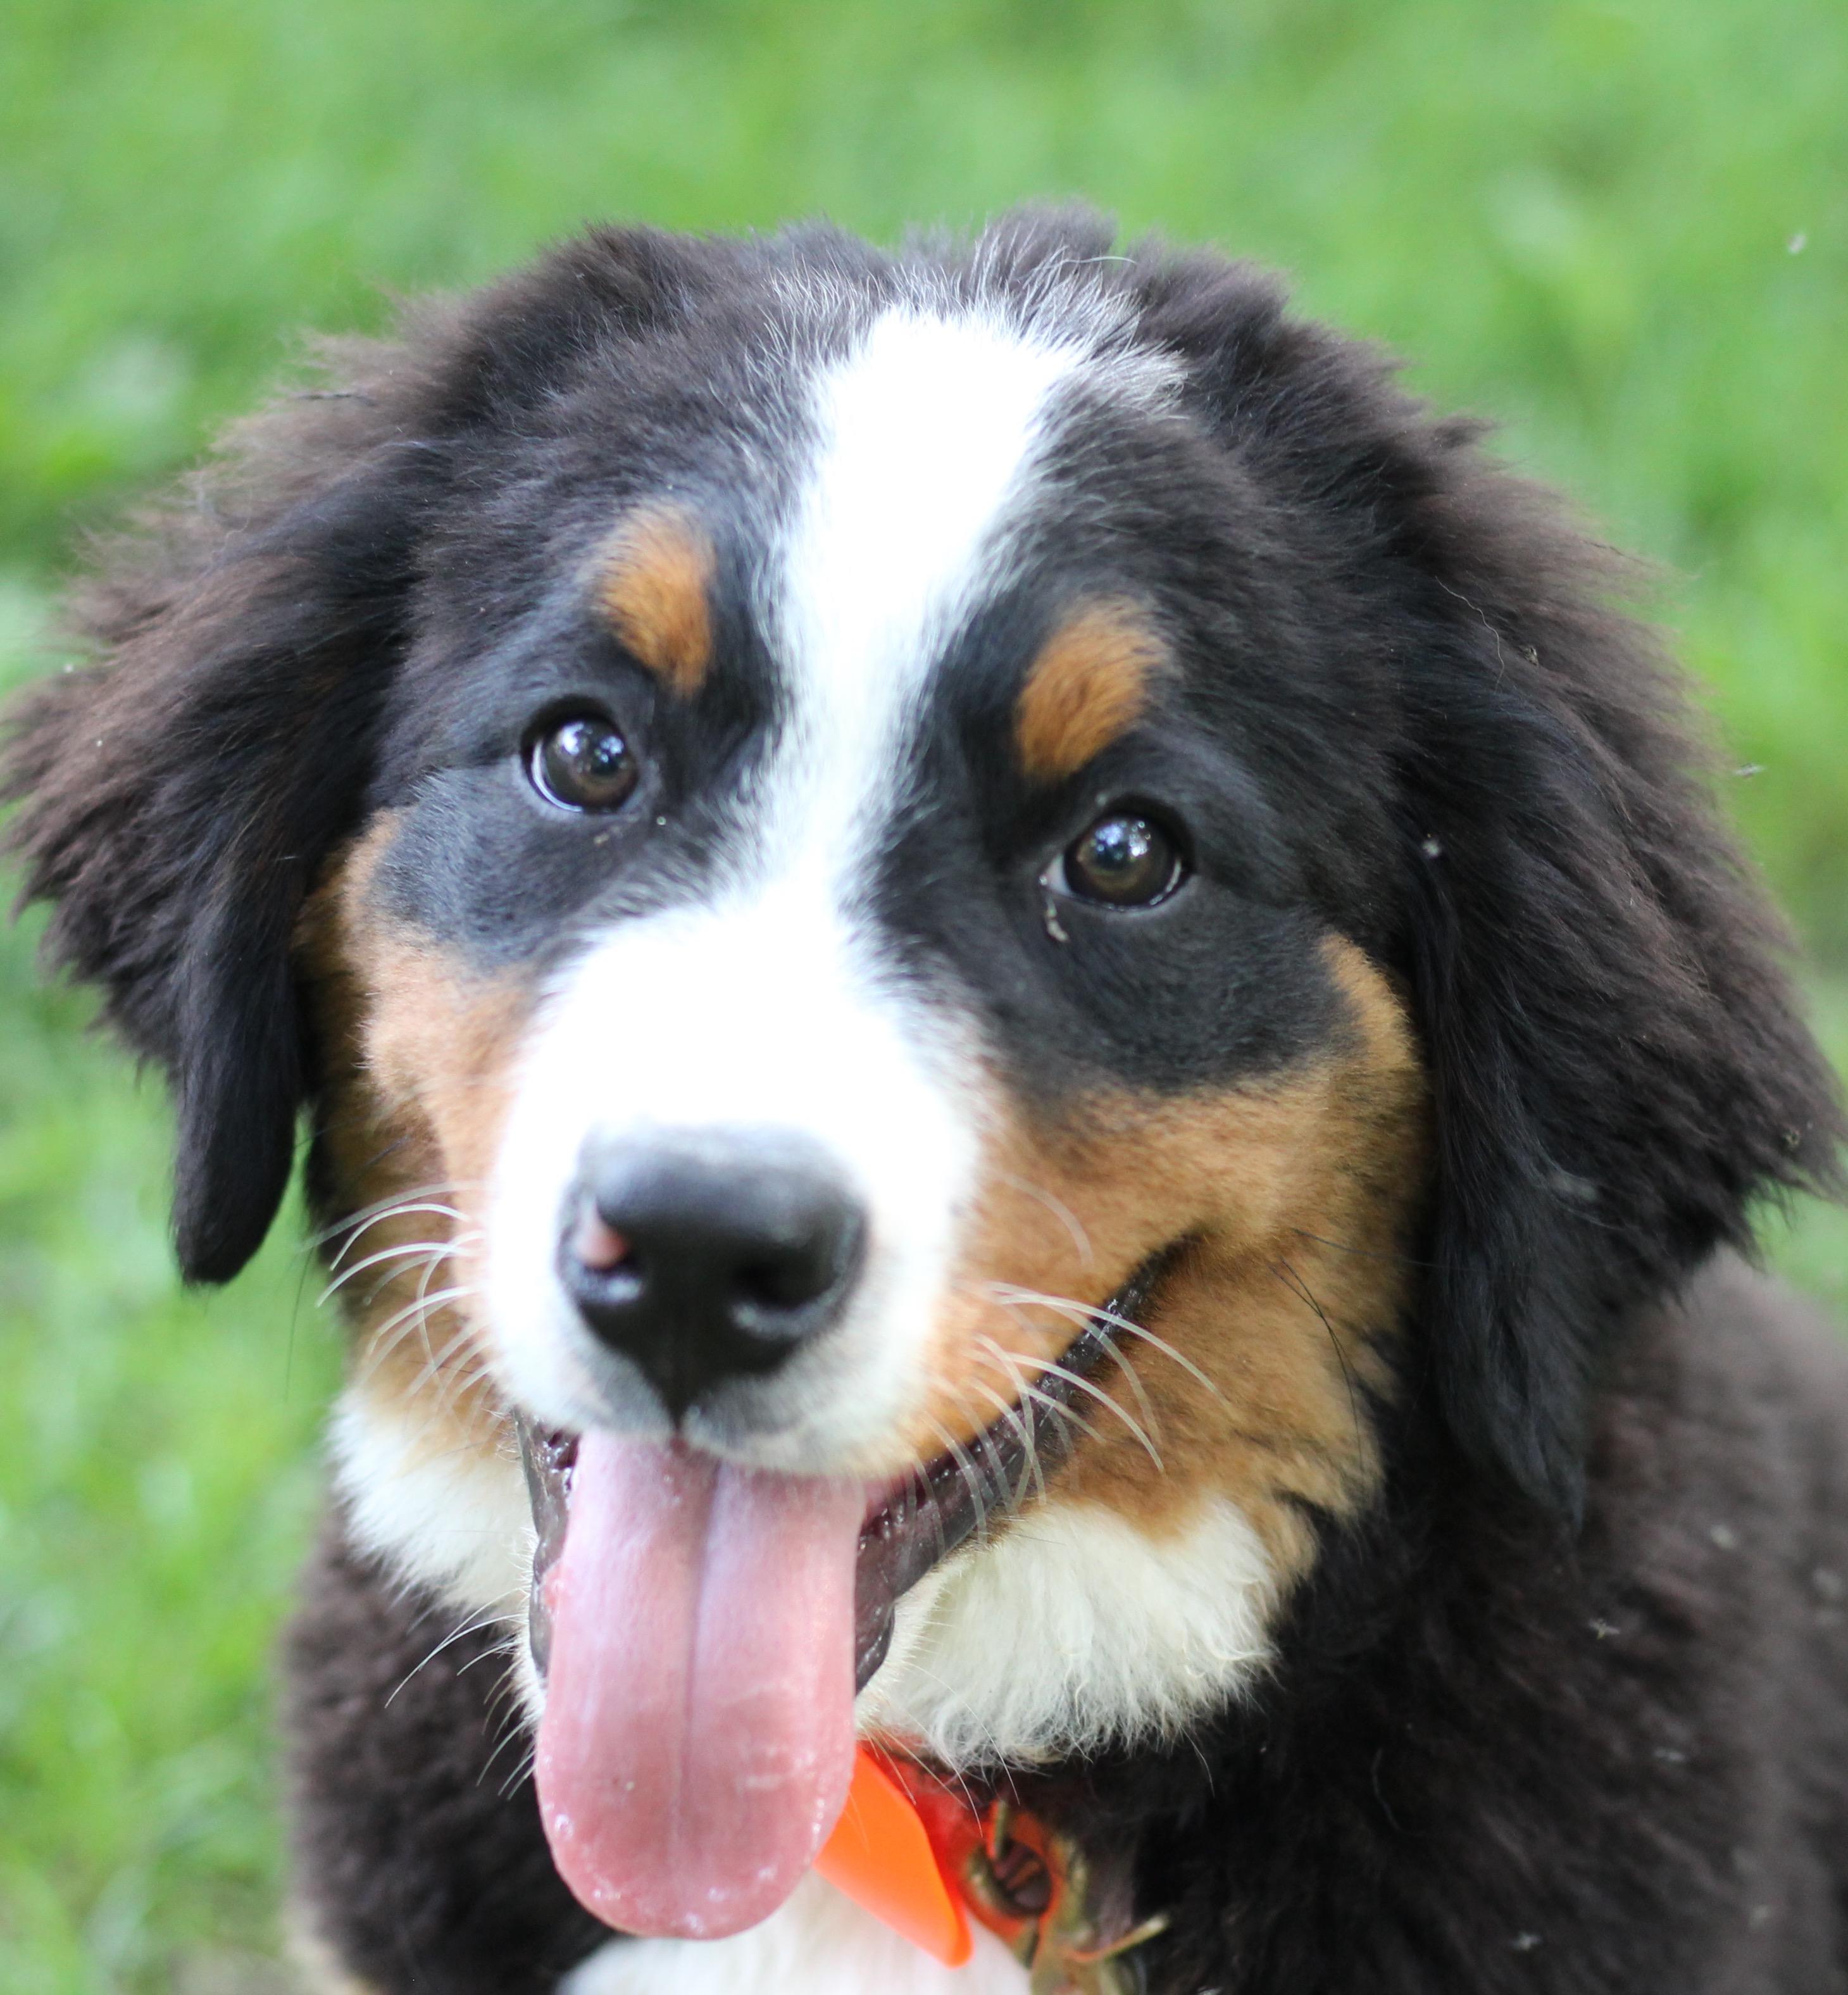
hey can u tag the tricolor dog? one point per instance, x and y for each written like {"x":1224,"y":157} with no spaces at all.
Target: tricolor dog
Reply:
{"x":1035,"y":1072}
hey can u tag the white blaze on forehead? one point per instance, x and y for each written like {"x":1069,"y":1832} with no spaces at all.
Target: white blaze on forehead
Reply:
{"x":926,"y":430}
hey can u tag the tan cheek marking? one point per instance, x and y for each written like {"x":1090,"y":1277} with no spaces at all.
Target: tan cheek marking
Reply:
{"x":418,"y":1051}
{"x":655,"y":587}
{"x":1089,"y":682}
{"x":1297,"y":1197}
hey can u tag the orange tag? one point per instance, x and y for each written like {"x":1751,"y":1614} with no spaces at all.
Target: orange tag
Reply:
{"x":881,"y":1856}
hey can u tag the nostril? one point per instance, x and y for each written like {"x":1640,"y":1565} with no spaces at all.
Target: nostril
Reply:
{"x":596,"y":1243}
{"x":787,"y":1280}
{"x":769,"y":1283}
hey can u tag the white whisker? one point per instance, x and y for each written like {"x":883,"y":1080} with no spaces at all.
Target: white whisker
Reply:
{"x":967,"y":1469}
{"x":1023,"y":1428}
{"x":455,"y":1635}
{"x":439,"y":1188}
{"x":1061,"y":1211}
{"x":401,"y":1208}
{"x":1056,"y":1409}
{"x":1005,"y":1292}
{"x":411,"y":1248}
{"x":1049,"y":1369}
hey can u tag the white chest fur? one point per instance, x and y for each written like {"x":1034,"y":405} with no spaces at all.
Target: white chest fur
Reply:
{"x":819,"y":1943}
{"x":1072,"y":1630}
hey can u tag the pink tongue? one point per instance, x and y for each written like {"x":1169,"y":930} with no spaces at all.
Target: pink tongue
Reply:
{"x":697,"y":1737}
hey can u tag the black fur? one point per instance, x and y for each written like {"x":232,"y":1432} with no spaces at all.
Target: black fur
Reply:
{"x":417,"y":1838}
{"x":1491,"y":1761}
{"x":1410,"y":715}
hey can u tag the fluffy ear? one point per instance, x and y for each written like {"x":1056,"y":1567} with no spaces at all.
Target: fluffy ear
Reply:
{"x":179,"y":796}
{"x":1619,"y":1066}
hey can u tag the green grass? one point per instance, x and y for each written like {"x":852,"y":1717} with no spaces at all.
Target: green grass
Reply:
{"x":156,"y":1480}
{"x":1620,"y":227}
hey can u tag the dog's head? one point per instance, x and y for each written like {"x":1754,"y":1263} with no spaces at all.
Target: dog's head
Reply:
{"x":996,"y":855}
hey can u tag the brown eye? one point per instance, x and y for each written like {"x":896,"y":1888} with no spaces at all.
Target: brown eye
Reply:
{"x":1123,"y":860}
{"x":583,"y":764}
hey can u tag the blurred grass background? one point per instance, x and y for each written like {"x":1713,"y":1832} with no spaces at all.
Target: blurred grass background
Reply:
{"x":1619,"y":225}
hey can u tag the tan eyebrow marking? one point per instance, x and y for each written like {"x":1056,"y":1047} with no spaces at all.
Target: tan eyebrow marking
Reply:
{"x":1089,"y":683}
{"x":655,"y":586}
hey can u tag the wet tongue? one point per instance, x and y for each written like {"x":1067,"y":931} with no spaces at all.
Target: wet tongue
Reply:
{"x":697,"y":1735}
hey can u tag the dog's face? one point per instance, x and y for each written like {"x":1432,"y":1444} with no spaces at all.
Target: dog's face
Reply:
{"x":872,"y":871}
{"x":863,"y":800}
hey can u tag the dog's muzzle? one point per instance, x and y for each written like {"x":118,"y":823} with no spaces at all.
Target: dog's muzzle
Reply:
{"x":936,"y":1507}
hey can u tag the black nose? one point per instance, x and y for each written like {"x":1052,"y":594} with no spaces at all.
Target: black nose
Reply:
{"x":703,"y":1255}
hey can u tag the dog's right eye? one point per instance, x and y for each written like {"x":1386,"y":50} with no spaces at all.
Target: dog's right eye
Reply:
{"x":582,"y":763}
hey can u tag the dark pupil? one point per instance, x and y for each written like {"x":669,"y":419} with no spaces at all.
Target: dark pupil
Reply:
{"x":1123,"y":860}
{"x":586,"y":762}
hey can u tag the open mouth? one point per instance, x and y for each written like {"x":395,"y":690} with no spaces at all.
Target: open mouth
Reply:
{"x":912,"y":1524}
{"x":689,"y":1617}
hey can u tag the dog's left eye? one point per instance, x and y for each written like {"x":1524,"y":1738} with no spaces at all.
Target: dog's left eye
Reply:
{"x":581,"y":763}
{"x":1123,"y":859}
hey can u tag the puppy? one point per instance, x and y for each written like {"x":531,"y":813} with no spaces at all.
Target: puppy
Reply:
{"x":1024,"y":1037}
